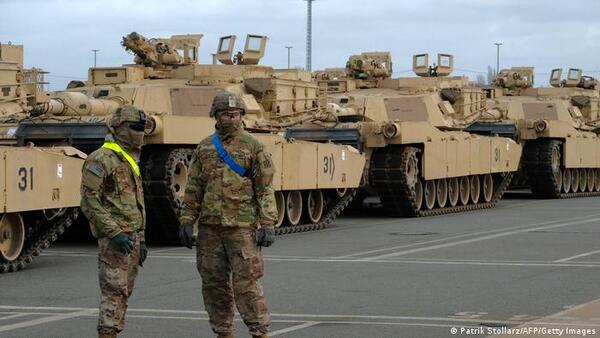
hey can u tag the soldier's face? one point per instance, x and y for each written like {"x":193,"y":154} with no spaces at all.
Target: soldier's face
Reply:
{"x":230,"y":116}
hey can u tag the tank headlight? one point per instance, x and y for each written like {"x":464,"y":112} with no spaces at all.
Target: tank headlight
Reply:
{"x":540,"y":125}
{"x":390,"y":130}
{"x":153,"y":126}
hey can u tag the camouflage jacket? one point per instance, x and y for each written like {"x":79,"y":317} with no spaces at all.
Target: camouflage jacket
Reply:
{"x":217,"y":195}
{"x":112,"y":198}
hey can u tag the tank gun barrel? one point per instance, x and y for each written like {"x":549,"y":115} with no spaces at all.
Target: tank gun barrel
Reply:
{"x":73,"y":103}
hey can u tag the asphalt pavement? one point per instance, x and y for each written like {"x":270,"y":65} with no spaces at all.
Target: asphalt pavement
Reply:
{"x":470,"y":274}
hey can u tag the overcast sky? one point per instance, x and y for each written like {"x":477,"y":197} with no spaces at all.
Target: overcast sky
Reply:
{"x":59,"y":34}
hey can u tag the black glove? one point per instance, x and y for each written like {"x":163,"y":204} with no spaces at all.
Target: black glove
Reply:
{"x":265,"y":236}
{"x":121,"y":243}
{"x":143,"y":253}
{"x":186,"y":235}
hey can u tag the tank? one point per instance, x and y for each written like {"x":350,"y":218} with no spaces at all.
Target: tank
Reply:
{"x":421,"y":161}
{"x":557,"y":126}
{"x":314,"y":181}
{"x":41,"y":184}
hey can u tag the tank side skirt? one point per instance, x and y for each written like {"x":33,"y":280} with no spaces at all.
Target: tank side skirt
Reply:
{"x":392,"y":188}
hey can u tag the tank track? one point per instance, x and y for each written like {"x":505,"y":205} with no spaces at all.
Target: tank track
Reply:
{"x":537,"y":164}
{"x":161,"y":192}
{"x":40,"y":238}
{"x":334,"y":209}
{"x":390,"y":182}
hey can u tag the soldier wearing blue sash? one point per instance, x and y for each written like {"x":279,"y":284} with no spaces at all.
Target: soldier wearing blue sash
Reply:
{"x":229,"y":193}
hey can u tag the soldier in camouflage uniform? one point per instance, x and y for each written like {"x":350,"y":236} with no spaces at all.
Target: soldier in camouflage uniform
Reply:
{"x":236,"y":213}
{"x":113,"y":202}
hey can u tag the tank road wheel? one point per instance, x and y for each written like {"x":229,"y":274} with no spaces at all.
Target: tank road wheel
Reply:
{"x":475,"y":189}
{"x":582,"y":179}
{"x":314,"y":206}
{"x":341,"y":192}
{"x":164,"y":175}
{"x":574,"y":180}
{"x":488,"y":187}
{"x":442,"y":192}
{"x":555,"y":165}
{"x":597,"y":182}
{"x":410,"y":170}
{"x":429,"y":194}
{"x":293,"y":207}
{"x":419,"y":194}
{"x":280,"y":202}
{"x":567,"y":179}
{"x":453,"y":191}
{"x":12,"y":236}
{"x":465,"y":188}
{"x":591,"y":179}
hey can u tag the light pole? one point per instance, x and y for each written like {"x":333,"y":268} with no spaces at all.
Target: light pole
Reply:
{"x":289,"y":48}
{"x":309,"y":34}
{"x":95,"y":52}
{"x":498,"y":44}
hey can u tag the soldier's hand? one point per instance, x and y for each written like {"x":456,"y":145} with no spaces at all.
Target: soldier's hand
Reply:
{"x":143,"y":253}
{"x":265,"y":236}
{"x":121,"y":243}
{"x":186,"y":235}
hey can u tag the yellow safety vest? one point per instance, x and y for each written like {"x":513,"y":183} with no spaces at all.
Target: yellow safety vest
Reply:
{"x":117,"y":148}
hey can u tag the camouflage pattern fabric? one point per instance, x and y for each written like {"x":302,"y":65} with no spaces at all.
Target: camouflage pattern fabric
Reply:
{"x":112,"y":200}
{"x":231,"y":265}
{"x":111,"y":194}
{"x":225,"y":101}
{"x":217,"y":195}
{"x":117,"y":273}
{"x":126,"y":113}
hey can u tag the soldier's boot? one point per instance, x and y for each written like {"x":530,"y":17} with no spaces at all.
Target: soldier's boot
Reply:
{"x":107,"y":335}
{"x":224,"y":335}
{"x":261,"y":336}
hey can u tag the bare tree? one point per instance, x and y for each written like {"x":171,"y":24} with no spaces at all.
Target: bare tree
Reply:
{"x":490,"y":75}
{"x":481,"y":80}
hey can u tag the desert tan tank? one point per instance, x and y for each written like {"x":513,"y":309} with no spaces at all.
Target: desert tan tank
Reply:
{"x":314,"y":182}
{"x":421,"y":161}
{"x":40,"y":184}
{"x":558,"y":127}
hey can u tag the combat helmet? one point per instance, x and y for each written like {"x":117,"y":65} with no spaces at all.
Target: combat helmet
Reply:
{"x":127,"y":113}
{"x":225,"y":101}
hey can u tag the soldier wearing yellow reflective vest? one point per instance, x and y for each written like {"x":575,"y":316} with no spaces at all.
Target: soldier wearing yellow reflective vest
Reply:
{"x":112,"y":200}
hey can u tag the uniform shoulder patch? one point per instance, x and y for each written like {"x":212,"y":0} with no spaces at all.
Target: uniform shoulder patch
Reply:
{"x":96,"y":169}
{"x":93,"y":175}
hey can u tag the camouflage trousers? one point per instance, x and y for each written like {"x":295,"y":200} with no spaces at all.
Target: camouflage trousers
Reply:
{"x":116,"y":273}
{"x":231,"y":265}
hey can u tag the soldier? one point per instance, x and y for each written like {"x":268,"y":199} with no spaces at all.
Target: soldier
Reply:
{"x":229,"y":193}
{"x":113,"y":202}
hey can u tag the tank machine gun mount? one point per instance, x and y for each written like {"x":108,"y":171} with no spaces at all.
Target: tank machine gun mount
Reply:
{"x":444,"y":66}
{"x":575,"y":79}
{"x":157,"y":52}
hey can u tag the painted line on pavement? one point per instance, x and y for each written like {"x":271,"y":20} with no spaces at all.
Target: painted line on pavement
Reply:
{"x":362,"y":253}
{"x":297,"y":317}
{"x":479,"y":239}
{"x":39,"y":321}
{"x":16,"y":315}
{"x":293,"y":328}
{"x":577,"y":256}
